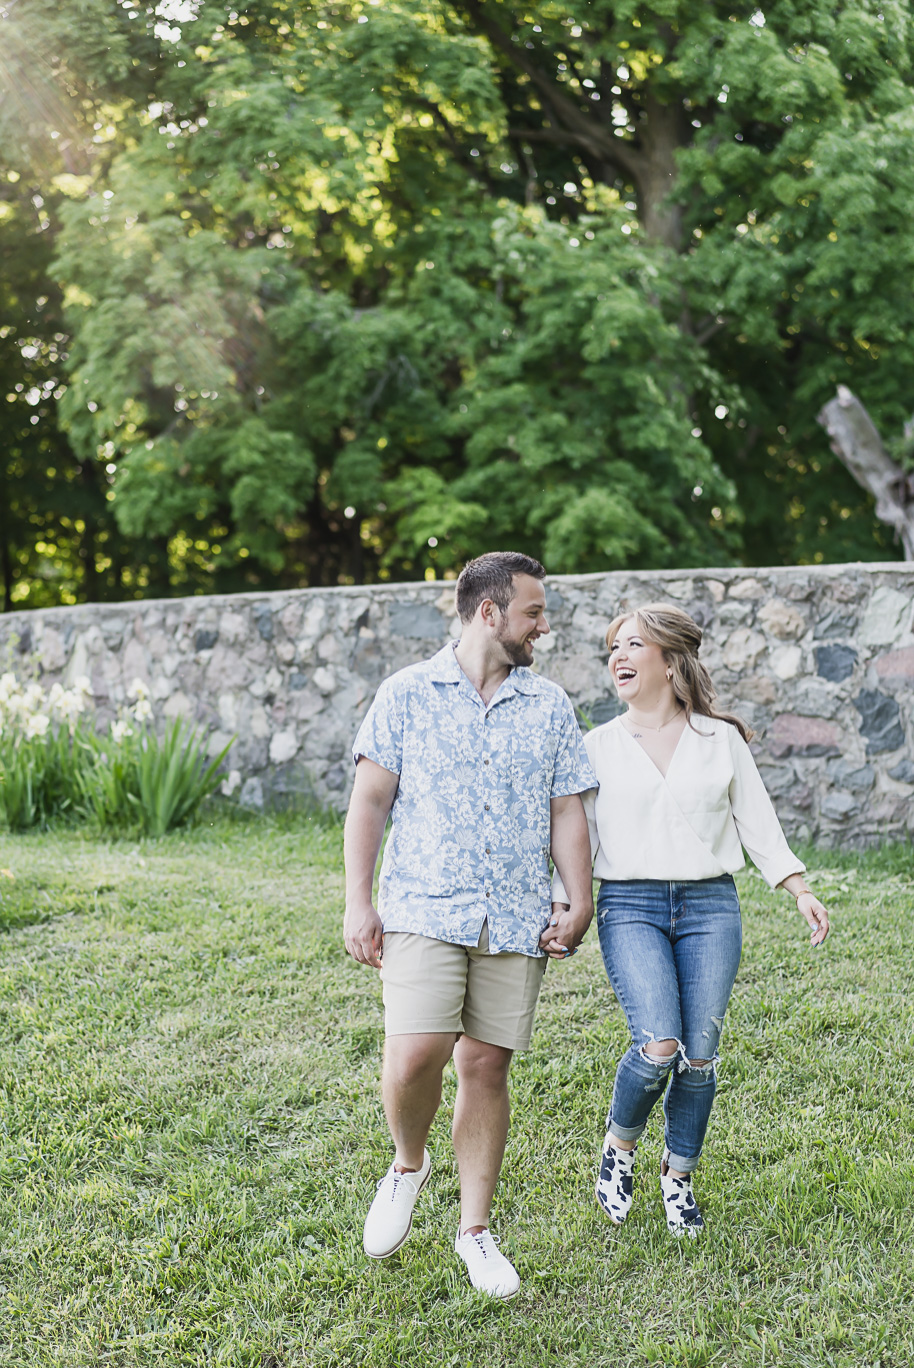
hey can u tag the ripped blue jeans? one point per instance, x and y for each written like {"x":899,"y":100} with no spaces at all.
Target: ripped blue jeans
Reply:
{"x":671,"y":951}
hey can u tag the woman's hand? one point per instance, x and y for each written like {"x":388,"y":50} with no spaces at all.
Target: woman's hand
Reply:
{"x":815,"y":914}
{"x":566,"y":930}
{"x":808,"y":906}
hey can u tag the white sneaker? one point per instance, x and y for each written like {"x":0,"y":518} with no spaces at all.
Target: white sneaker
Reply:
{"x":488,"y":1268}
{"x":390,"y":1217}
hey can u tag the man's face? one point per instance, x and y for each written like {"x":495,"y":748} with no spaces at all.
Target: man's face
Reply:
{"x":524,"y":623}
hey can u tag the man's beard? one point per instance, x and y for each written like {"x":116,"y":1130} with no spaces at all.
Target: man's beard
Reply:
{"x":518,"y":652}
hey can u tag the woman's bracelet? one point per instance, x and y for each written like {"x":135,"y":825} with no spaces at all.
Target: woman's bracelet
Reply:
{"x":799,"y":895}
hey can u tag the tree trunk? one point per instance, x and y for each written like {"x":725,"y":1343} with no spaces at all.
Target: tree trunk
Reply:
{"x":6,"y":570}
{"x":6,"y":559}
{"x":565,"y":120}
{"x":859,"y":448}
{"x":665,"y":132}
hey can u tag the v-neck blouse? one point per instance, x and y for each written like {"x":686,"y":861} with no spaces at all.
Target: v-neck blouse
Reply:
{"x":691,"y":823}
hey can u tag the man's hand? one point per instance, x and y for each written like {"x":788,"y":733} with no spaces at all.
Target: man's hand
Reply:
{"x":372,"y":798}
{"x":363,"y":934}
{"x":566,"y":929}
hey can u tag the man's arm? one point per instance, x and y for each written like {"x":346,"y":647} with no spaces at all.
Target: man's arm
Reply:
{"x":369,"y":807}
{"x":571,"y":854}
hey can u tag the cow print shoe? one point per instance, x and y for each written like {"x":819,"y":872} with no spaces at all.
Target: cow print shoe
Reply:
{"x":683,"y":1216}
{"x":614,"y":1185}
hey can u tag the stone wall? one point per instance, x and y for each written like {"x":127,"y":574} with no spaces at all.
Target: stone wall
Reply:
{"x":819,"y":660}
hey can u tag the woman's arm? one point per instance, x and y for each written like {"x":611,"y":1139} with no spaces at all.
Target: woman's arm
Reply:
{"x":808,"y":906}
{"x":760,"y":832}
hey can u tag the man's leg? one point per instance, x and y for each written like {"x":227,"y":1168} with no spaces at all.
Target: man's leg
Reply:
{"x":411,"y":1089}
{"x":480,"y":1128}
{"x":424,"y":983}
{"x":497,"y":1019}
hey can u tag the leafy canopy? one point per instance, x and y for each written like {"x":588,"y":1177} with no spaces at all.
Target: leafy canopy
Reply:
{"x":358,"y":290}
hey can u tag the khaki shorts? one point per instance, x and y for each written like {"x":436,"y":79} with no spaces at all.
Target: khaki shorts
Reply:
{"x":432,"y":986}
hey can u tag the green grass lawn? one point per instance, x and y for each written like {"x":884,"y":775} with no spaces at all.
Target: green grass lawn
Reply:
{"x":191,"y":1132}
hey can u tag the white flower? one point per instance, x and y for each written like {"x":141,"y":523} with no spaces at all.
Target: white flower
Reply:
{"x":9,"y":687}
{"x":83,"y":685}
{"x":55,"y":694}
{"x":142,"y":709}
{"x":73,"y":703}
{"x":138,"y":689}
{"x":120,"y":730}
{"x":16,"y":705}
{"x":33,"y":697}
{"x":37,"y":725}
{"x":231,"y":783}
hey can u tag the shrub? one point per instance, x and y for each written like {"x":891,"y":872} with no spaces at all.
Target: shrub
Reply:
{"x":54,"y":765}
{"x":42,"y":747}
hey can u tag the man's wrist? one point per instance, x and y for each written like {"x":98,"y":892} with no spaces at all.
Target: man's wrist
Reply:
{"x":580,"y":910}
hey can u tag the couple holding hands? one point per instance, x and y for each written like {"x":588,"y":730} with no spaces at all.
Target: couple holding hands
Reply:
{"x":484,"y":773}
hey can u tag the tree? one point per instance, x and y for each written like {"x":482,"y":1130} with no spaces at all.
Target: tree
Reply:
{"x":362,"y":289}
{"x":58,"y":537}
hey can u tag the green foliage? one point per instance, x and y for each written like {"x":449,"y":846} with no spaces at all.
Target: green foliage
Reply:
{"x":43,"y":748}
{"x":54,"y":766}
{"x":40,"y":778}
{"x":155,"y":783}
{"x":355,"y":291}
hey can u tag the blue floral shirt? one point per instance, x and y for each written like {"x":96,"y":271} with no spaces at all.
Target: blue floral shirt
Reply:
{"x":471,"y":819}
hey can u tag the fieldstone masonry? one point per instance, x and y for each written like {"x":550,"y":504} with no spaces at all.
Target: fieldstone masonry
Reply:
{"x":819,"y":660}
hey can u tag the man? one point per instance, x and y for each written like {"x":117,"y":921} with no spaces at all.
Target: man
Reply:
{"x":480,"y":764}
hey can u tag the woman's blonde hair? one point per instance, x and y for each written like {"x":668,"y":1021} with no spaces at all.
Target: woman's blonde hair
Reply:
{"x":679,"y":638}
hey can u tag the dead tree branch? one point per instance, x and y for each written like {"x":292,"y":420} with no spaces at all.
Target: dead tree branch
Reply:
{"x":858,"y":446}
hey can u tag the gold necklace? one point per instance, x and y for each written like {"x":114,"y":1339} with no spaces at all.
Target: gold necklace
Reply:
{"x":637,"y":735}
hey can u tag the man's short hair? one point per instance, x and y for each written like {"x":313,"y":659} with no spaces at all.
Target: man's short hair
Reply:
{"x":492,"y":577}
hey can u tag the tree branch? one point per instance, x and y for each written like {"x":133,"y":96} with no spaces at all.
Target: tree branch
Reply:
{"x":616,"y":152}
{"x":587,"y":132}
{"x":858,"y":446}
{"x":478,"y":173}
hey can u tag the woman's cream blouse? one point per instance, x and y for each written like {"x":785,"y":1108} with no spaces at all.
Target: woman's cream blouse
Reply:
{"x":690,"y":824}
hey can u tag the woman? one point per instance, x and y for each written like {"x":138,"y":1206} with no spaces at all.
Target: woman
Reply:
{"x":679,"y":795}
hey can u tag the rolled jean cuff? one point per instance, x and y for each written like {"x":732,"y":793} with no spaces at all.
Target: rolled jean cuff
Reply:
{"x":625,"y":1132}
{"x":681,"y":1164}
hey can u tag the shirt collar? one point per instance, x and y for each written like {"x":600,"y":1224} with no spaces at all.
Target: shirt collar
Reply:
{"x":443,"y":668}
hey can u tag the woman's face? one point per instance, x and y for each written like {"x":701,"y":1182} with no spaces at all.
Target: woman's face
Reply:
{"x":637,"y":666}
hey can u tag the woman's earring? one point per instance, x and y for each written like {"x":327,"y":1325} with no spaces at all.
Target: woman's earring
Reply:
{"x":669,"y":674}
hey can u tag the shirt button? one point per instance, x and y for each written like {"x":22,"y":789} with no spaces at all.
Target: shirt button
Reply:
{"x":488,"y":894}
{"x":485,"y":762}
{"x":487,"y":807}
{"x":488,"y":851}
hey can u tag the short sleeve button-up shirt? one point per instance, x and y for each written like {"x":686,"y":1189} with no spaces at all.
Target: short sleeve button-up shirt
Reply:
{"x":471,"y":820}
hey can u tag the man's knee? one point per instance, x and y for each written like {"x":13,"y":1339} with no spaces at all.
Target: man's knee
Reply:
{"x":407,"y":1057}
{"x":481,"y":1063}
